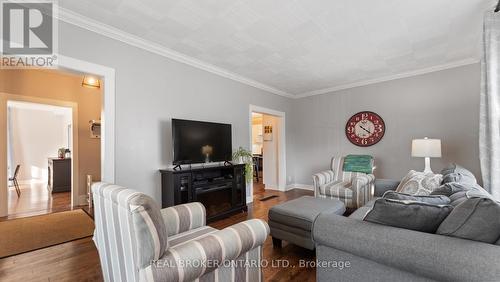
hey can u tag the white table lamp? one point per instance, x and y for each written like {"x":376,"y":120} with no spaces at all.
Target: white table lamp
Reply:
{"x":426,"y":148}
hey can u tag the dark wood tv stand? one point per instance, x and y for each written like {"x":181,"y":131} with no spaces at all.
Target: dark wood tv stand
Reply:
{"x":221,"y":189}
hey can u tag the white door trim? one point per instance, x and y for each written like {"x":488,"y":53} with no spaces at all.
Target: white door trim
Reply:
{"x":282,"y":144}
{"x":107,"y":110}
{"x":107,"y":75}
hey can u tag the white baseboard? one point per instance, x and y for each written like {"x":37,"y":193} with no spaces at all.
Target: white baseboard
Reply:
{"x":299,"y":186}
{"x":82,"y":200}
{"x":272,"y":188}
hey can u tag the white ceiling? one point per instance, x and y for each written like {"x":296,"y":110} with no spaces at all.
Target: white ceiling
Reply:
{"x":304,"y":47}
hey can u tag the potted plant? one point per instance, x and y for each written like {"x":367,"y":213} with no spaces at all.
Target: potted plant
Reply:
{"x":243,"y":156}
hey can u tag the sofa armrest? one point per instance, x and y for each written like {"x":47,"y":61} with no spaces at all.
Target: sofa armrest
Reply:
{"x":204,"y":255}
{"x":383,"y":185}
{"x":322,"y":178}
{"x":428,"y":255}
{"x":182,"y":218}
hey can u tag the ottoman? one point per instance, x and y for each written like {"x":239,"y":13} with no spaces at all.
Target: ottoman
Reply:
{"x":292,"y":221}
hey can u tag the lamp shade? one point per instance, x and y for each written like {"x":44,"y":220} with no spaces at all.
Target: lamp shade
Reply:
{"x":426,"y":148}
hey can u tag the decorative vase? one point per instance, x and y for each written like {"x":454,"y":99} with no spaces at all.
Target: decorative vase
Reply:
{"x":61,"y":152}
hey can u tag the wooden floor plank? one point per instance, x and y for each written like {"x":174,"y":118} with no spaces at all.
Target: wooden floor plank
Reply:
{"x":79,"y":261}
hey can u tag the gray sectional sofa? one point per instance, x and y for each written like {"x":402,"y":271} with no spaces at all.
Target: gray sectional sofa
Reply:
{"x":350,"y":249}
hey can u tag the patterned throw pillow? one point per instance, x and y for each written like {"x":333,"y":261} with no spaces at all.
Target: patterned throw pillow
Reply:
{"x":419,"y":183}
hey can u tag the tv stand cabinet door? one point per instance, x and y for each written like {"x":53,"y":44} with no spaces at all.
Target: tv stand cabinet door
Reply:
{"x":176,"y":188}
{"x":239,"y":187}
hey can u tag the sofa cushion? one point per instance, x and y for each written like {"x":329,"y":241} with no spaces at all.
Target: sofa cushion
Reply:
{"x":476,"y":218}
{"x":411,"y":215}
{"x":361,"y":212}
{"x":458,"y":198}
{"x":302,"y":212}
{"x":430,"y":199}
{"x":193,"y":234}
{"x":419,"y":183}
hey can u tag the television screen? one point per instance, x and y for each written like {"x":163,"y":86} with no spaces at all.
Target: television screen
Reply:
{"x":200,"y":142}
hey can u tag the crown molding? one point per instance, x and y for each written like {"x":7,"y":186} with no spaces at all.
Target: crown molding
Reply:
{"x":455,"y":64}
{"x":84,"y":22}
{"x":117,"y":34}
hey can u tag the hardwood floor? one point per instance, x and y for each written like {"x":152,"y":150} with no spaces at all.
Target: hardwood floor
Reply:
{"x":35,"y":199}
{"x":79,"y":261}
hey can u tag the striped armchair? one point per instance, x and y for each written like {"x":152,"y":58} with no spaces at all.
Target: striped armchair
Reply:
{"x":352,"y":188}
{"x":138,"y":241}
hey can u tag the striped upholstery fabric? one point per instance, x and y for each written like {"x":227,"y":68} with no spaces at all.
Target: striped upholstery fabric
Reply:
{"x":212,"y":250}
{"x":352,"y":188}
{"x":139,"y":242}
{"x":115,"y":235}
{"x":182,"y":218}
{"x":322,"y":178}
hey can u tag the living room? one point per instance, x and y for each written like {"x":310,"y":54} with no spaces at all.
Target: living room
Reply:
{"x":406,"y":69}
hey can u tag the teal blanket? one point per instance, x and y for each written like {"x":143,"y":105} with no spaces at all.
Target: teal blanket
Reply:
{"x":358,"y":163}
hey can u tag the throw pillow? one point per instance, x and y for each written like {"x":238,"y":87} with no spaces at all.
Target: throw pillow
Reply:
{"x":458,"y":171}
{"x":411,"y":215}
{"x":451,"y":188}
{"x":475,"y":219}
{"x":458,"y":177}
{"x":431,"y":199}
{"x":419,"y":183}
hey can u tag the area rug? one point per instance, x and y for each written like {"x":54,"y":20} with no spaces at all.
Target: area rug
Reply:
{"x":36,"y":232}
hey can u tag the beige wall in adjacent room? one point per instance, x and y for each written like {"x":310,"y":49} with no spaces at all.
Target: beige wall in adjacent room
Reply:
{"x":63,"y":86}
{"x":270,"y":153}
{"x":36,"y":134}
{"x":256,"y":133}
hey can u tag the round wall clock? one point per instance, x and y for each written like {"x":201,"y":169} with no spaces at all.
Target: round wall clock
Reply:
{"x":365,"y":129}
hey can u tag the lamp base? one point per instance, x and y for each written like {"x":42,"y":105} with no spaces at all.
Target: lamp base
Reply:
{"x":427,"y":169}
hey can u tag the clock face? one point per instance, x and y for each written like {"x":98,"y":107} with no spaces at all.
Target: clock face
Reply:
{"x":365,"y":129}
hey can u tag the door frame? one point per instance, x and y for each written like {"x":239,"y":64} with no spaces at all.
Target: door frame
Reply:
{"x":107,"y":76}
{"x":281,"y":146}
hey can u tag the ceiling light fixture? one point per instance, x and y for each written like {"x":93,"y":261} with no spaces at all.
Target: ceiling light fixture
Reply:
{"x":91,"y":82}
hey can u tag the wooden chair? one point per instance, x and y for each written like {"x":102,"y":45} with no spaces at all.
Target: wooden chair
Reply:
{"x":14,"y":180}
{"x":256,"y":167}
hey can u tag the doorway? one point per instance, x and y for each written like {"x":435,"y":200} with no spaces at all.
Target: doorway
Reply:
{"x":36,"y":132}
{"x":107,"y":127}
{"x":267,"y":134}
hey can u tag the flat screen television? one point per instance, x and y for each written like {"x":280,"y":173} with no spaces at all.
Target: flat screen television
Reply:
{"x":200,"y":142}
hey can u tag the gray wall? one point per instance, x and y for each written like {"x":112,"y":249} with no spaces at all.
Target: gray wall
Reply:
{"x":150,"y":91}
{"x":441,"y":105}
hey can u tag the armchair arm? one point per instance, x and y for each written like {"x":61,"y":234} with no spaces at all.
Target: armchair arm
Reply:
{"x":362,"y":186}
{"x":321,"y":178}
{"x":182,"y":218}
{"x":408,"y":250}
{"x":197,"y":257}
